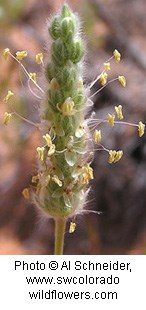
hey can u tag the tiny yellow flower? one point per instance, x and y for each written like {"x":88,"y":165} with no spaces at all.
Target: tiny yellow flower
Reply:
{"x":122,"y":80}
{"x":117,"y":55}
{"x":21,"y":55}
{"x":39,"y":58}
{"x":8,"y":96}
{"x":54,"y":85}
{"x":103,"y":78}
{"x":56,"y":180}
{"x":97,"y":136}
{"x":118,"y":110}
{"x":118,"y":156}
{"x":67,"y":107}
{"x":48,"y":139}
{"x":107,"y":66}
{"x":33,"y":76}
{"x":72,"y":227}
{"x":112,"y":154}
{"x":6,"y":118}
{"x":26,"y":193}
{"x":40,"y":151}
{"x":51,"y":150}
{"x":6,"y":53}
{"x":111,"y":119}
{"x":141,"y":129}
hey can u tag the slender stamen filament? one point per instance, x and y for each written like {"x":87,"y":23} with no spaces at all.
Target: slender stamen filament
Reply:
{"x":23,"y":118}
{"x":33,"y":93}
{"x":93,"y":83}
{"x":111,"y":81}
{"x":97,"y":121}
{"x":26,"y":120}
{"x":89,"y":211}
{"x":26,"y":72}
{"x":94,"y":125}
{"x":60,"y":152}
{"x":98,"y":77}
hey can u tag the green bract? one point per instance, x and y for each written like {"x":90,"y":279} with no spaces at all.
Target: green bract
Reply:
{"x":64,"y":172}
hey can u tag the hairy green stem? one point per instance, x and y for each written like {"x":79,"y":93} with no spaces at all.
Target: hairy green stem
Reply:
{"x":60,"y":224}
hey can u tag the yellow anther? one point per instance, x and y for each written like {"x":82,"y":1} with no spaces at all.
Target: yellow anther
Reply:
{"x":112,"y":155}
{"x":40,"y":151}
{"x":54,"y":85}
{"x":6,"y":118}
{"x":48,"y":139}
{"x":72,"y":227}
{"x":47,"y":180}
{"x":51,"y":150}
{"x":103,"y":78}
{"x":141,"y":128}
{"x":117,"y":56}
{"x":6,"y":53}
{"x":118,"y":110}
{"x":33,"y":76}
{"x":67,"y":107}
{"x":111,"y":119}
{"x":56,"y":180}
{"x":34,"y":179}
{"x":118,"y":156}
{"x":89,"y":172}
{"x":21,"y":55}
{"x":39,"y":58}
{"x":97,"y":136}
{"x":8,"y":96}
{"x":122,"y":80}
{"x":85,"y":179}
{"x":107,"y":66}
{"x":26,"y":193}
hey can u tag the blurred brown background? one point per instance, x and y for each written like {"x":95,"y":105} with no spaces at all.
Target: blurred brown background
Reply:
{"x":119,"y":190}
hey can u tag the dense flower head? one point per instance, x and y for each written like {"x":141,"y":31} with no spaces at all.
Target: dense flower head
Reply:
{"x":59,"y":190}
